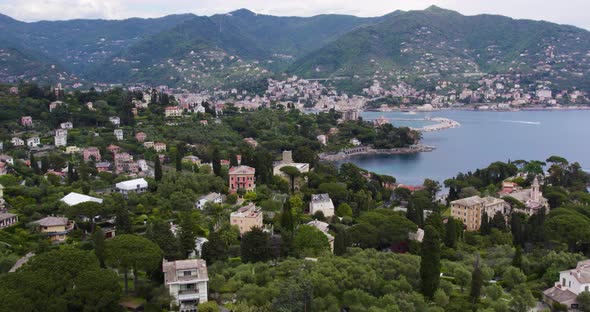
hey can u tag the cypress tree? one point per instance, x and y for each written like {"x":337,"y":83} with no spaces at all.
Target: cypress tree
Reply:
{"x":517,"y":259}
{"x":98,"y":240}
{"x":485,"y":227}
{"x":179,"y":154}
{"x":499,"y":222}
{"x":476,"y":281}
{"x":157,"y":169}
{"x":430,"y":263}
{"x":216,"y":161}
{"x":451,"y":233}
{"x":34,"y":164}
{"x":341,"y":242}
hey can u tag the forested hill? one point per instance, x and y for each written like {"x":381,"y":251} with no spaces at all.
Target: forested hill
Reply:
{"x":205,"y":51}
{"x":440,"y":43}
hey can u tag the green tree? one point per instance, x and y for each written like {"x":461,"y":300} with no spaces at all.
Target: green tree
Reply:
{"x":95,"y":290}
{"x":215,"y":249}
{"x":159,"y":232}
{"x":293,"y":173}
{"x":344,"y":210}
{"x":517,"y":259}
{"x":476,"y":281}
{"x":255,"y":246}
{"x":187,"y":234}
{"x":513,"y":277}
{"x":584,"y":301}
{"x":522,"y":299}
{"x":462,"y":277}
{"x":430,"y":263}
{"x":157,"y":169}
{"x":123,"y":221}
{"x":341,"y":242}
{"x":440,"y":298}
{"x":485,"y":228}
{"x":133,"y":252}
{"x":98,"y":241}
{"x":310,"y":242}
{"x":451,"y":233}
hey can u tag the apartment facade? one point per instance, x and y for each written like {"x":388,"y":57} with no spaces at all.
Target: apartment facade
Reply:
{"x":470,"y":210}
{"x":186,"y":281}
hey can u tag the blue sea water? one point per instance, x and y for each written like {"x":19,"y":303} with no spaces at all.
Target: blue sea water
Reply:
{"x":484,"y":137}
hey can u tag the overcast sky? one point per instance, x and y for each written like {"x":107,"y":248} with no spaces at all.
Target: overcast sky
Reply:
{"x":572,"y":12}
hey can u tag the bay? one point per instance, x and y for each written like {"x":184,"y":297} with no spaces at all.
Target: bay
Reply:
{"x":484,"y":137}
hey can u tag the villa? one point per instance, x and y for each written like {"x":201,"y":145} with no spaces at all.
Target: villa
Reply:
{"x":186,"y":281}
{"x":246,"y":218}
{"x":323,"y":203}
{"x":570,"y":284}
{"x":470,"y":210}
{"x":242,"y":177}
{"x":56,"y":228}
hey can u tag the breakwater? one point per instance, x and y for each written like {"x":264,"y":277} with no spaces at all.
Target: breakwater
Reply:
{"x":365,"y":150}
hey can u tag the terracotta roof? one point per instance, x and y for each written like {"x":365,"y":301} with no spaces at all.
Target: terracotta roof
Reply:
{"x":559,"y":295}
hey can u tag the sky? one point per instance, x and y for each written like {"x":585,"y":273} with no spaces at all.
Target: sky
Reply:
{"x":571,"y":12}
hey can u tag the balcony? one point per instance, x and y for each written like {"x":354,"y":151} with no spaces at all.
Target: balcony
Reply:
{"x":188,"y":295}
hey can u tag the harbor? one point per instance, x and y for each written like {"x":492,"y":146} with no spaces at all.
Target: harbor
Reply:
{"x":365,"y":150}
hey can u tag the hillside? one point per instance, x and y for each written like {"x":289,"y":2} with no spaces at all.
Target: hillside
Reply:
{"x":445,"y":44}
{"x":212,"y":50}
{"x":194,"y":52}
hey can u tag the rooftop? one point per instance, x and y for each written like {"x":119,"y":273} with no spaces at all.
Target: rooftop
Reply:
{"x":171,"y":267}
{"x":52,"y":221}
{"x":242,"y":170}
{"x":250,"y":211}
{"x":132,"y":184}
{"x":320,"y":198}
{"x":476,"y":200}
{"x":73,"y":199}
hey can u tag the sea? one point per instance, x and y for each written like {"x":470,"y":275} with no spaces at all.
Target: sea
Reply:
{"x":482,"y":138}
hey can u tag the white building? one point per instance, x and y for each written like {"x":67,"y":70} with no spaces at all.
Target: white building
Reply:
{"x":322,"y":139}
{"x":115,"y":120}
{"x":323,"y":203}
{"x":215,"y":198}
{"x":119,"y":134}
{"x":571,"y":283}
{"x":17,"y":142}
{"x":74,"y":199}
{"x":186,"y":280}
{"x":66,"y":125}
{"x":33,"y":142}
{"x":61,"y":137}
{"x":131,"y":186}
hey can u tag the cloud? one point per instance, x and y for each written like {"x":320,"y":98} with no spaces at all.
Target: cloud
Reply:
{"x":573,"y":12}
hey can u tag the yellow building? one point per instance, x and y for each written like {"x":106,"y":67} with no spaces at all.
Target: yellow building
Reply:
{"x":246,"y":218}
{"x":470,"y":210}
{"x":56,"y":228}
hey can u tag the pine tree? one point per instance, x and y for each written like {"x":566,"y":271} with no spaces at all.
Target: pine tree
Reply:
{"x":159,"y":233}
{"x":476,"y":281}
{"x":430,"y":263}
{"x":451,"y":233}
{"x":157,"y":169}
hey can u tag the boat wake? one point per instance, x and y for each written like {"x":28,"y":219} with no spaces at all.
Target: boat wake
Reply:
{"x":523,"y":122}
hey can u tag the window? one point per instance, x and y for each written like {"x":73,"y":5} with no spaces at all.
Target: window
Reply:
{"x":186,"y":273}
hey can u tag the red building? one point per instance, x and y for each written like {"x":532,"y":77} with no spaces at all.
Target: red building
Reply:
{"x":242,"y":177}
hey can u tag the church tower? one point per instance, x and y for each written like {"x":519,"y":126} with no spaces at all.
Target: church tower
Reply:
{"x":535,"y":190}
